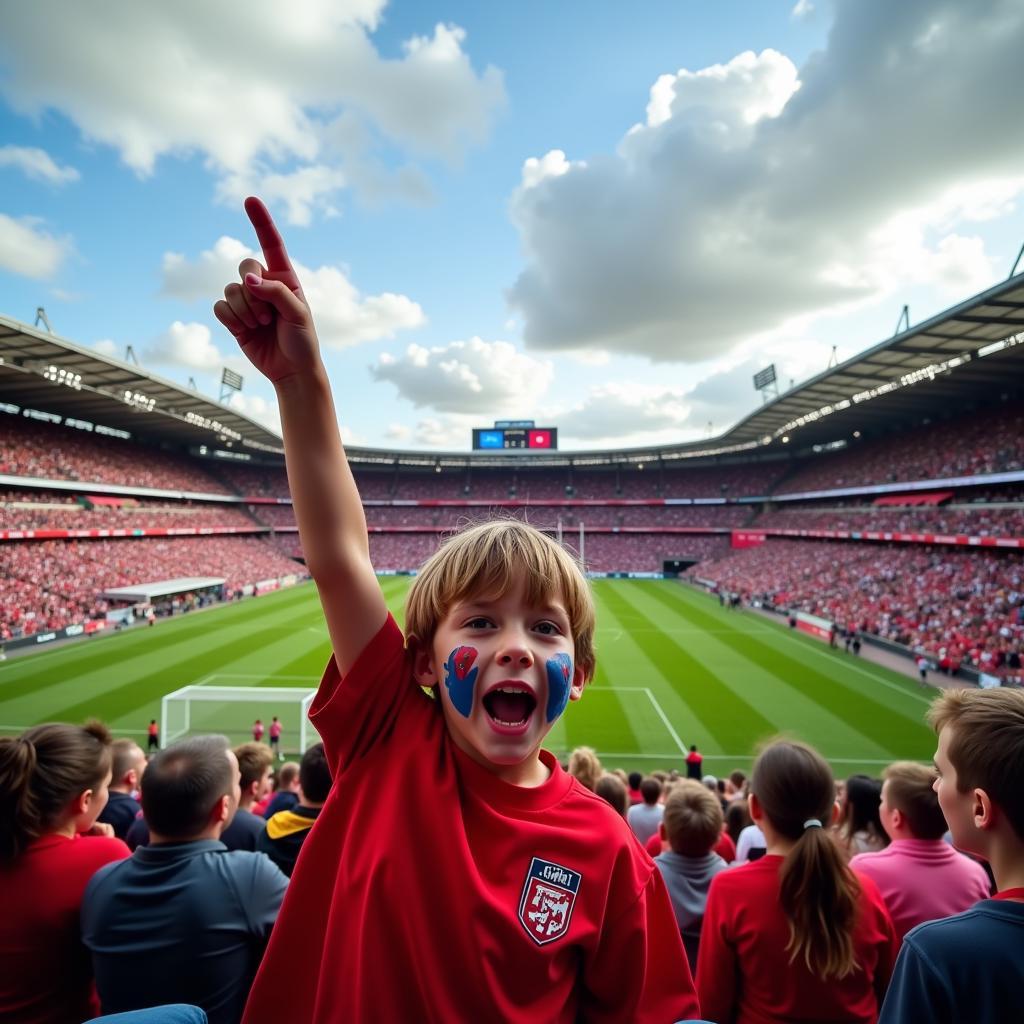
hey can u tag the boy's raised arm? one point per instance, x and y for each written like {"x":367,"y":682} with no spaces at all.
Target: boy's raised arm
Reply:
{"x":271,"y":321}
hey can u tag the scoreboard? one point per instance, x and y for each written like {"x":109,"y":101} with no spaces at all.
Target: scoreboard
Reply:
{"x":518,"y":438}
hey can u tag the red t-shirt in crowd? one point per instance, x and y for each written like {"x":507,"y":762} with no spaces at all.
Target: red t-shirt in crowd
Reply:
{"x":725,"y":847}
{"x":431,"y":890}
{"x":45,"y":971}
{"x":743,"y":970}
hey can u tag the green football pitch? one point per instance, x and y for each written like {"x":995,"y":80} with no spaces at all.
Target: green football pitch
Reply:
{"x":673,"y":669}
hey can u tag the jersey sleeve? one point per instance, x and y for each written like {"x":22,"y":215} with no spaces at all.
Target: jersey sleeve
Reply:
{"x":352,"y":713}
{"x":267,"y":886}
{"x":717,"y":963}
{"x":917,"y":991}
{"x":640,"y":972}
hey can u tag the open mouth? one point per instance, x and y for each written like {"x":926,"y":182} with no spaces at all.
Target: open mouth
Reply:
{"x":510,"y":706}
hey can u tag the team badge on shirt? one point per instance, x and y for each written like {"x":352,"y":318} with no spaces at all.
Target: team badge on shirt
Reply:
{"x":549,"y":894}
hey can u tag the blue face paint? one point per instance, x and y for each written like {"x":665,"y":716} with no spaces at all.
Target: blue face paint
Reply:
{"x":559,"y":683}
{"x":460,"y":678}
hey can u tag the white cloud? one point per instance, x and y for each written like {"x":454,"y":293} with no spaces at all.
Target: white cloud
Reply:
{"x":398,"y":432}
{"x":37,"y":164}
{"x":190,"y":345}
{"x":625,"y":413}
{"x":257,"y":408}
{"x":302,"y":191}
{"x":28,"y":249}
{"x":802,"y":9}
{"x":755,"y":193}
{"x":107,"y":347}
{"x":475,"y":376}
{"x":344,"y":316}
{"x":253,"y":95}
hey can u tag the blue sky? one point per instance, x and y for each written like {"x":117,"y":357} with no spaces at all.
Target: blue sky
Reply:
{"x":603,"y":217}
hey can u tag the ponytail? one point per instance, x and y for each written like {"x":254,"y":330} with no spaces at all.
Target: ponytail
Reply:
{"x":818,"y":892}
{"x":40,"y":772}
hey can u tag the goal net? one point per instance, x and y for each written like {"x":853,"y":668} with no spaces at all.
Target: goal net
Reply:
{"x":232,"y":711}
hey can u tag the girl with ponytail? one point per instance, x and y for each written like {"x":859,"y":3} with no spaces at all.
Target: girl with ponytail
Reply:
{"x":796,"y":935}
{"x":53,"y":784}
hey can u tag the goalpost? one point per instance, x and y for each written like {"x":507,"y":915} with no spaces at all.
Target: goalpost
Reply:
{"x":233,"y":709}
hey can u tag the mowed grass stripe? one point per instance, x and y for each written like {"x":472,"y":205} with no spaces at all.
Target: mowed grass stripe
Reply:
{"x":879,"y":722}
{"x":730,"y":720}
{"x":764,"y":687}
{"x":35,"y":672}
{"x":146,"y":690}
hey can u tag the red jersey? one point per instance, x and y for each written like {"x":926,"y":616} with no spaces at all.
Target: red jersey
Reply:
{"x":431,"y":890}
{"x":743,"y":969}
{"x":45,"y":971}
{"x":275,"y":730}
{"x":257,"y":731}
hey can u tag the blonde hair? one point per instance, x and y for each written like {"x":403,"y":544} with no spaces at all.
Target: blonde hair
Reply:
{"x":692,"y":819}
{"x":489,"y":559}
{"x":986,"y":745}
{"x":585,"y":767}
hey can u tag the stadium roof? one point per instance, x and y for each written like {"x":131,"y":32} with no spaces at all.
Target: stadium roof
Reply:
{"x":972,"y":352}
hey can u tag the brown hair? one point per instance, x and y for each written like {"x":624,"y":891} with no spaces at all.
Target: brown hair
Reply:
{"x":611,"y":788}
{"x":650,"y":790}
{"x":986,"y":745}
{"x":585,"y":766}
{"x":693,"y":818}
{"x":489,"y":559}
{"x":817,"y":890}
{"x":909,"y":789}
{"x":253,"y":761}
{"x":40,"y":772}
{"x":183,"y":783}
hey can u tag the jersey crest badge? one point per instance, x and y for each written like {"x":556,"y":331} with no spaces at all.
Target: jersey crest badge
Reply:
{"x":549,"y":894}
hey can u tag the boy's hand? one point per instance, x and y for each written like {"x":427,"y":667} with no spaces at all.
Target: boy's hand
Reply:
{"x":267,"y":312}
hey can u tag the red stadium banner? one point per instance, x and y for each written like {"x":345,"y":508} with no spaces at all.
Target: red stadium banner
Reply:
{"x":748,"y":538}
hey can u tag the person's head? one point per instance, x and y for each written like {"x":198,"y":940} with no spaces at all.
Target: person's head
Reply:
{"x":127,"y":765}
{"x":650,"y":790}
{"x":711,"y":782}
{"x":501,"y":621}
{"x":692,"y":822}
{"x":585,"y":766}
{"x":287,"y":778}
{"x":738,"y":780}
{"x":255,"y":763}
{"x":792,"y":799}
{"x":910,"y":806}
{"x":314,"y":777}
{"x":51,"y":777}
{"x":980,"y":765}
{"x":693,"y":748}
{"x":635,"y":778}
{"x":861,"y":806}
{"x":191,"y":790}
{"x":737,"y":818}
{"x":611,"y":788}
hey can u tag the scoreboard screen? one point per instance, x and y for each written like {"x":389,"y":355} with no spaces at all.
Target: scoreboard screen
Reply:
{"x":515,"y":438}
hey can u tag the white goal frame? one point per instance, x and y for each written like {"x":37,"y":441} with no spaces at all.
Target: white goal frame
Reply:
{"x":241,"y":694}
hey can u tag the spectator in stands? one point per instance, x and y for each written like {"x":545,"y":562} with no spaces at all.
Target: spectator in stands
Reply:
{"x":694,"y":761}
{"x":585,"y":767}
{"x":920,"y":877}
{"x":737,"y":818}
{"x":795,"y":935}
{"x":286,"y":789}
{"x":53,"y":785}
{"x":153,"y":736}
{"x":635,"y":796}
{"x":500,"y":625}
{"x":612,"y":789}
{"x":185,"y":919}
{"x":122,"y":808}
{"x":254,"y":766}
{"x":286,"y":831}
{"x":969,"y":967}
{"x":645,"y":817}
{"x":860,"y":824}
{"x":692,"y":825}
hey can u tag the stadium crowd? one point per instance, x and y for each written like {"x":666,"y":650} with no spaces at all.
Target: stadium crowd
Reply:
{"x":52,"y":584}
{"x":959,"y":607}
{"x":132,"y":881}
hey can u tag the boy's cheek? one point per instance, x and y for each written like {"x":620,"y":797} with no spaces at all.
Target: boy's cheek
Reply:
{"x":460,"y":673}
{"x":560,"y":675}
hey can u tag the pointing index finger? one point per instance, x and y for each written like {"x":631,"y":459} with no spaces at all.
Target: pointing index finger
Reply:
{"x":274,"y":252}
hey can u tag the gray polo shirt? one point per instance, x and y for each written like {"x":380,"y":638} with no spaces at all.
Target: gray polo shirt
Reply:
{"x":181,"y":923}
